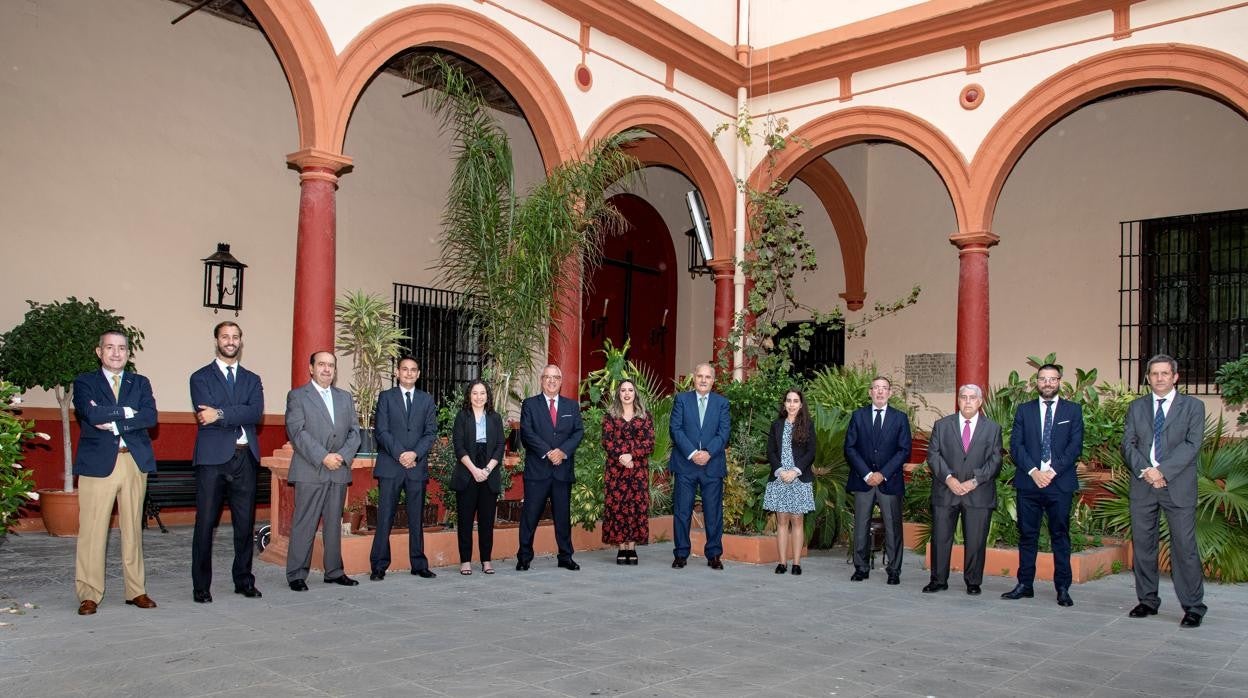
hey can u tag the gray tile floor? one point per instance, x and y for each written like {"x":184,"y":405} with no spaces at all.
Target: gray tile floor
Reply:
{"x":606,"y":630}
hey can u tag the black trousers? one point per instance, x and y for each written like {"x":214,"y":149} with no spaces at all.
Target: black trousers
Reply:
{"x":536,"y":492}
{"x":235,"y":482}
{"x":476,"y":501}
{"x":388,"y":489}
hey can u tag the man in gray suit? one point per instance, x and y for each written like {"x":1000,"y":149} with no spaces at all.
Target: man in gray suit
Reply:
{"x":965,"y":456}
{"x":1161,"y":445}
{"x":322,"y":428}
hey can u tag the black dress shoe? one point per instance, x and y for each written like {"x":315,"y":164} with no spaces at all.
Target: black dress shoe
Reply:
{"x":201,"y":596}
{"x":859,"y":575}
{"x":1141,"y":610}
{"x":714,"y":563}
{"x":298,"y":585}
{"x":569,"y":565}
{"x":894,"y":579}
{"x":679,"y":563}
{"x":522,"y":566}
{"x":250,"y":592}
{"x":1020,"y":591}
{"x":782,"y":568}
{"x":973,"y":589}
{"x":797,"y":569}
{"x":1063,"y":598}
{"x":933,"y":587}
{"x":1191,"y":619}
{"x":376,"y":575}
{"x":424,"y":574}
{"x":344,"y":580}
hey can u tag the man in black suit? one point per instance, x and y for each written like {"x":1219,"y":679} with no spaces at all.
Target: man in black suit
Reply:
{"x":1161,"y":444}
{"x":228,"y":401}
{"x":877,"y":444}
{"x":965,"y":457}
{"x":551,"y":430}
{"x":407,"y":424}
{"x":1045,"y":441}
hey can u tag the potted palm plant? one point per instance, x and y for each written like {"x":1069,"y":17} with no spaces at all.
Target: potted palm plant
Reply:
{"x":52,"y":345}
{"x":368,"y":332}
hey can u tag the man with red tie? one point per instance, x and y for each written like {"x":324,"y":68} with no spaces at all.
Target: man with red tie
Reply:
{"x":551,"y":429}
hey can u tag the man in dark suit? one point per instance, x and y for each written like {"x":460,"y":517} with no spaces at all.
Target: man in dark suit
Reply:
{"x":1161,"y":444}
{"x":551,"y":430}
{"x":407,"y":424}
{"x":877,"y":444}
{"x":114,"y":408}
{"x":965,"y":456}
{"x":700,"y":425}
{"x":228,"y":401}
{"x":325,"y":434}
{"x":1045,"y":441}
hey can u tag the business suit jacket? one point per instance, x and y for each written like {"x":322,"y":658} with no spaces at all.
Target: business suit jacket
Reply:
{"x":397,"y":431}
{"x":214,"y":443}
{"x":981,"y":461}
{"x":313,"y":435}
{"x":803,"y":453}
{"x":94,"y":404}
{"x":540,"y":436}
{"x":1180,"y":446}
{"x":464,"y":437}
{"x":885,"y":453}
{"x":1066,"y":443}
{"x":688,"y":436}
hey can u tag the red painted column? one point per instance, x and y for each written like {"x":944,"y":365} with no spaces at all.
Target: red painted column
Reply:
{"x":973,"y":336}
{"x":724,"y":273}
{"x":315,"y":257}
{"x":564,"y":344}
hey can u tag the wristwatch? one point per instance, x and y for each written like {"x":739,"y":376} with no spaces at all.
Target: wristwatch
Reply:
{"x":220,"y":414}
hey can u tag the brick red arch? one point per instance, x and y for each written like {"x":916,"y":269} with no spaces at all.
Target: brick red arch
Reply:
{"x":827,"y":184}
{"x":307,"y":57}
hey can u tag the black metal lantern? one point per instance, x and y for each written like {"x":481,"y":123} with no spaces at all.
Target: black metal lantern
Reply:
{"x":223,"y":280}
{"x":697,"y":261}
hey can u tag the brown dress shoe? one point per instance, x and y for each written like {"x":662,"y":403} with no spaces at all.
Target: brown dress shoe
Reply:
{"x":142,"y":601}
{"x":87,"y":608}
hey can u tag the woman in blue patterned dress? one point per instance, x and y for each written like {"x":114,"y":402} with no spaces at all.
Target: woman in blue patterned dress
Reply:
{"x":790,"y":490}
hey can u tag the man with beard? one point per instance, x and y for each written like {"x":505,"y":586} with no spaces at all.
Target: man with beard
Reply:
{"x":228,"y":401}
{"x":1045,"y":442}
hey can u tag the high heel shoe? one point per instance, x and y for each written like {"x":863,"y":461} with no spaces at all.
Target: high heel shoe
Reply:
{"x":621,"y":557}
{"x":632,"y":556}
{"x":797,"y":569}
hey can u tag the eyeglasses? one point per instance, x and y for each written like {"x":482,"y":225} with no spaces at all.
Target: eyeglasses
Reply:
{"x":1048,"y":380}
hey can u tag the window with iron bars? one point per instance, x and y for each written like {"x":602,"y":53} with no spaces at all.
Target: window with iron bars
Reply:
{"x":444,"y":336}
{"x":1183,"y":291}
{"x":827,"y":348}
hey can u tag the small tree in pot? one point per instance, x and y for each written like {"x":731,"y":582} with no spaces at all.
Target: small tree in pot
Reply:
{"x":368,"y":332}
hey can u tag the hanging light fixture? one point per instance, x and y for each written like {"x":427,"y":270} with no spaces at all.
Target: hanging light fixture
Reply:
{"x":223,"y":280}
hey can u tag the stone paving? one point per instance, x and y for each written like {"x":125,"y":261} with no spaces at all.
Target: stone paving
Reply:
{"x":605,"y":630}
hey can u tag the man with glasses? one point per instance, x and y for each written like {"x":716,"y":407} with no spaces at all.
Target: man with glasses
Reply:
{"x":551,"y":429}
{"x":1045,"y":442}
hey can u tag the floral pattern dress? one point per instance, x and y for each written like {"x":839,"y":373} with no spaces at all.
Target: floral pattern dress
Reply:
{"x":626,"y":511}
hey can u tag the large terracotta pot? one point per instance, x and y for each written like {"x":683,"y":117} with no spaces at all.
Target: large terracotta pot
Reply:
{"x":60,"y":512}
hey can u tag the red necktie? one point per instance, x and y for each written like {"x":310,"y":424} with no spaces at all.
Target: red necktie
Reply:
{"x":554,"y":413}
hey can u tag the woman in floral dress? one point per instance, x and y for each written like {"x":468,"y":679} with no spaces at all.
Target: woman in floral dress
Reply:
{"x":790,"y":489}
{"x":628,"y":439}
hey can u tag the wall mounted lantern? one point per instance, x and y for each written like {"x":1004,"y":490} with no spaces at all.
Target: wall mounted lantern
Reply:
{"x":223,"y":281}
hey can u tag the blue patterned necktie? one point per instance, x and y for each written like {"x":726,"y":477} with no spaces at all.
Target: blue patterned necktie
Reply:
{"x":1159,"y":421}
{"x":1046,"y":435}
{"x":229,"y":378}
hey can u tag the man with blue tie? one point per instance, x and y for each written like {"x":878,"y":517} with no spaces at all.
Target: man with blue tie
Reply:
{"x":114,"y":408}
{"x":228,"y":401}
{"x":700,"y":425}
{"x":1045,"y":442}
{"x":551,"y":430}
{"x":877,"y":444}
{"x":407,"y":424}
{"x":1161,"y":444}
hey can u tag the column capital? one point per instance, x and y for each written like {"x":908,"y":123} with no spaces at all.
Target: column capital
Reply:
{"x":322,"y":162}
{"x":854,"y":301}
{"x":723,"y":268}
{"x":973,"y":240}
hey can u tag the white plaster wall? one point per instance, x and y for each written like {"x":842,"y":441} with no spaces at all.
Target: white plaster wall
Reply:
{"x":716,"y":17}
{"x":776,"y":21}
{"x":129,"y":149}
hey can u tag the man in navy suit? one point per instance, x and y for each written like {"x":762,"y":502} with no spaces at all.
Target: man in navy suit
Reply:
{"x":1045,"y":442}
{"x":228,"y":401}
{"x":700,"y":426}
{"x":114,"y":408}
{"x":551,"y":430}
{"x":876,"y":446}
{"x":407,"y":424}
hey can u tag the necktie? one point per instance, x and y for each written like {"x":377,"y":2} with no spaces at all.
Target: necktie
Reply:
{"x":329,"y":403}
{"x":407,"y":397}
{"x":1046,"y":434}
{"x":554,"y":413}
{"x":879,"y":421}
{"x":116,"y":386}
{"x":1159,"y":420}
{"x":229,"y":378}
{"x":701,"y":409}
{"x":966,"y":436}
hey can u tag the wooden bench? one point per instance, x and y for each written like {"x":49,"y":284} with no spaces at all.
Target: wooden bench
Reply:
{"x":173,"y":485}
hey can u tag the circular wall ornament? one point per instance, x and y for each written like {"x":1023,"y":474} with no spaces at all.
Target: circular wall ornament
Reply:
{"x":972,"y":96}
{"x":583,"y":76}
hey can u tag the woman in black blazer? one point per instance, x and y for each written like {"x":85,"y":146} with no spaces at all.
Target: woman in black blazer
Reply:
{"x":478,"y":441}
{"x":790,"y":492}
